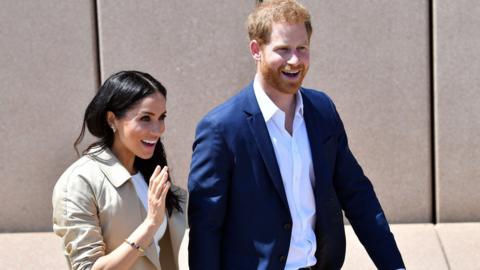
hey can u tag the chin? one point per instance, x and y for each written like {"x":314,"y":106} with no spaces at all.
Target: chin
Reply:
{"x":290,"y":88}
{"x":145,"y":155}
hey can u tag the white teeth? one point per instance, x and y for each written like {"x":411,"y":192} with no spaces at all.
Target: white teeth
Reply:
{"x":149,"y":142}
{"x":291,"y":71}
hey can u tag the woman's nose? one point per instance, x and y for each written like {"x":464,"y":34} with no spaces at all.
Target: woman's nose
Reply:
{"x":159,"y":128}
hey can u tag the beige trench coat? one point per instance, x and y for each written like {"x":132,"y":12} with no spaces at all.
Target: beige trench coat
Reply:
{"x":96,"y":207}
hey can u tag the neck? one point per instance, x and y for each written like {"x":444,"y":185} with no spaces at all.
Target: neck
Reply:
{"x":284,"y":101}
{"x":125,"y":157}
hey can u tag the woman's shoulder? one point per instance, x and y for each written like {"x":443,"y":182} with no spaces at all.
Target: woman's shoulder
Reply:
{"x":83,"y":173}
{"x":84,"y":167}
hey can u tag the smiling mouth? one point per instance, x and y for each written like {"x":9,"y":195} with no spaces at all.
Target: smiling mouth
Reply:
{"x":149,"y":143}
{"x":291,"y":73}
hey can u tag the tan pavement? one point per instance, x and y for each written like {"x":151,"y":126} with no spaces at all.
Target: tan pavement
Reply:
{"x":454,"y":246}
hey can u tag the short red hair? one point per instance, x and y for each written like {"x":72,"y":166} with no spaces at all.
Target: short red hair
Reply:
{"x":259,"y":22}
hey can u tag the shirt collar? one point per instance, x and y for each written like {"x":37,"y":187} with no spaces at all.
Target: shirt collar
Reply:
{"x":267,"y":107}
{"x":299,"y":105}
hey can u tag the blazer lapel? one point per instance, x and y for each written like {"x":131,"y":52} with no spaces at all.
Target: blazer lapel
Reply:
{"x":318,"y":136}
{"x":259,"y":132}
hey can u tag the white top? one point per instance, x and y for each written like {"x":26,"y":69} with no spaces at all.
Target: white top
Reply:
{"x":295,"y":162}
{"x":142,"y":192}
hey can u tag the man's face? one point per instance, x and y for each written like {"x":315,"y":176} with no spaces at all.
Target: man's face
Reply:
{"x":285,"y":59}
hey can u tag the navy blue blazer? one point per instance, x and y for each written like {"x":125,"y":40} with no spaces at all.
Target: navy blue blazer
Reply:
{"x":238,"y":211}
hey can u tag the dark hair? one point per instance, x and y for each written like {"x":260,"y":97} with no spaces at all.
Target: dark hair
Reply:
{"x":120,"y":92}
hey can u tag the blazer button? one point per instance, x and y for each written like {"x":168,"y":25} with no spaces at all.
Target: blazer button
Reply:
{"x":287,"y":226}
{"x":283,"y":259}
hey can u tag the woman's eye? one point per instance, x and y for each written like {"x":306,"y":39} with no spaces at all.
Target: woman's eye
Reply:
{"x":145,"y":118}
{"x":163,"y":116}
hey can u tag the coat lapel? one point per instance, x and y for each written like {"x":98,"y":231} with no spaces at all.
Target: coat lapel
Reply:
{"x":119,"y":176}
{"x":151,"y":250}
{"x":318,"y":136}
{"x":259,"y":132}
{"x":177,"y":227}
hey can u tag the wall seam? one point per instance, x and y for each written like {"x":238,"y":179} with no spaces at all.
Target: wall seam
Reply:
{"x":97,"y":41}
{"x":433,"y":111}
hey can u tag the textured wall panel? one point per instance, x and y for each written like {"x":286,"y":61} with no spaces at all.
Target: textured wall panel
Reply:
{"x":457,"y":65}
{"x":197,"y":49}
{"x":47,"y":74}
{"x":372,"y":58}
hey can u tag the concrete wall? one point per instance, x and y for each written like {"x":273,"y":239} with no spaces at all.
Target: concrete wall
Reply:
{"x":457,"y":109}
{"x":371,"y":57}
{"x":193,"y":49}
{"x":47,"y":76}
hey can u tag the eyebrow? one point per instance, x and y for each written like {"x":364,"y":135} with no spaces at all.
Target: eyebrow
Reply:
{"x":150,"y":113}
{"x":285,"y":45}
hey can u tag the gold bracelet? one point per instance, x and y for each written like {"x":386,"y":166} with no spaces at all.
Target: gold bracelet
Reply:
{"x":135,"y":246}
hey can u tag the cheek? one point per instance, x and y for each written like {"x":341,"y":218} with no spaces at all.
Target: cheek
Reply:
{"x":272,"y":59}
{"x":306,"y":58}
{"x":133,"y":132}
{"x":278,"y":60}
{"x":162,"y":127}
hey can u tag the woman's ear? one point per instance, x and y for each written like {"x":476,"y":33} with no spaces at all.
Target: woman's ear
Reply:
{"x":111,"y":120}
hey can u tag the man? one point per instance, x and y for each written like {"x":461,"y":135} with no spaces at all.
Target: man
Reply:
{"x":271,"y":169}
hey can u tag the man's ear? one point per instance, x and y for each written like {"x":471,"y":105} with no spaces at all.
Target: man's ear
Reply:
{"x":255,"y":50}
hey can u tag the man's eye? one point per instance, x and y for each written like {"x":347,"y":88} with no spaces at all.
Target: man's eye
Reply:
{"x":163,"y":116}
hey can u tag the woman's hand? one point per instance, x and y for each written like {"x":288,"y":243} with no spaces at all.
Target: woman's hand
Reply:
{"x":157,"y":193}
{"x":124,"y":256}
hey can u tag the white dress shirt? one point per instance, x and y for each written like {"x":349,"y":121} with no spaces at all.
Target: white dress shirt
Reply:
{"x":295,"y":163}
{"x":142,"y":193}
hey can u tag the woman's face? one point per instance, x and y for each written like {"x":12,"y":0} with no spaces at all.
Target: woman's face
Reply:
{"x":139,"y":130}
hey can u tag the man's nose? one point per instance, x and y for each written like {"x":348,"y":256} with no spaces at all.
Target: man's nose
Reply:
{"x":294,"y":59}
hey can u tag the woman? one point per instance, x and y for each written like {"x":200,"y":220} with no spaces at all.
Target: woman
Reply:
{"x":115,"y":207}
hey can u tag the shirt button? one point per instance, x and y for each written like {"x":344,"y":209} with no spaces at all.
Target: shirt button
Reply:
{"x":287,"y":226}
{"x":283,"y":259}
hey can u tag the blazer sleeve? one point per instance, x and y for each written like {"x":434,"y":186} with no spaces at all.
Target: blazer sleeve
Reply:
{"x":75,"y":220}
{"x":362,"y":208}
{"x":208,"y":185}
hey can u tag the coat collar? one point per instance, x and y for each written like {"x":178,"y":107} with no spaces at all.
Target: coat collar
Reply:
{"x":118,"y":175}
{"x":319,"y":128}
{"x":268,"y":107}
{"x":322,"y":145}
{"x":110,"y":166}
{"x":259,"y":131}
{"x":318,"y":134}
